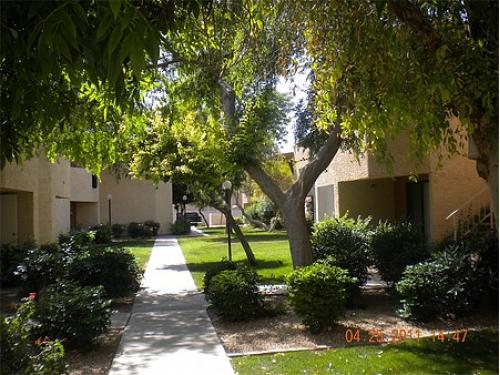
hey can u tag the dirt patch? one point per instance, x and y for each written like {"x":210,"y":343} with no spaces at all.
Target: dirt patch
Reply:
{"x":96,"y":361}
{"x":374,"y":316}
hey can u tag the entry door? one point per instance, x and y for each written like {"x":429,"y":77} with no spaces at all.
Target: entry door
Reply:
{"x":417,"y":206}
{"x":8,"y":218}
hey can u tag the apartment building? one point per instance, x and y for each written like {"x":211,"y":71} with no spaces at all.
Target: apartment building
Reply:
{"x":39,"y":200}
{"x":444,"y":194}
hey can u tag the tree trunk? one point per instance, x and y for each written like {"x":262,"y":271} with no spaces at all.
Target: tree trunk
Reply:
{"x":251,"y":220}
{"x":241,"y":237}
{"x":204,"y":218}
{"x":298,"y":236}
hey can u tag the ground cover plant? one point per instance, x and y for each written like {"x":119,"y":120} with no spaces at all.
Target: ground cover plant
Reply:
{"x":477,"y":355}
{"x":204,"y":253}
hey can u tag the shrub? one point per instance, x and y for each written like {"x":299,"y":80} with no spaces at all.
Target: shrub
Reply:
{"x":68,"y":311}
{"x":181,"y":226}
{"x":224,"y":265}
{"x":117,"y":230}
{"x":153,"y":226}
{"x":263,"y":211}
{"x":79,"y":240}
{"x":102,"y":234}
{"x":42,"y":266}
{"x":21,"y":354}
{"x":396,"y":246}
{"x":112,"y":267}
{"x":11,"y":256}
{"x":234,"y":294}
{"x":447,"y":285}
{"x":344,"y":241}
{"x":317,"y":294}
{"x":136,"y":230}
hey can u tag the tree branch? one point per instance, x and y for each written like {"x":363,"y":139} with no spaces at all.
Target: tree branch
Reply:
{"x":266,"y":183}
{"x":228,"y":99}
{"x":412,"y":15}
{"x":312,"y":170}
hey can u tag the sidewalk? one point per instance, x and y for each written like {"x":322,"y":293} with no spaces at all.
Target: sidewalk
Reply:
{"x":169,"y":330}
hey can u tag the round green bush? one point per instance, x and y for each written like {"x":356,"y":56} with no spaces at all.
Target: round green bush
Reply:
{"x":117,"y":230}
{"x":317,"y":294}
{"x":21,"y":354}
{"x":224,"y":265}
{"x":102,"y":234}
{"x":263,"y":211}
{"x":181,"y":226}
{"x":234,"y":295}
{"x":69,"y":311}
{"x":114,"y":268}
{"x":344,"y":242}
{"x":153,"y":226}
{"x":396,"y":246}
{"x":136,"y":230}
{"x":42,"y":266}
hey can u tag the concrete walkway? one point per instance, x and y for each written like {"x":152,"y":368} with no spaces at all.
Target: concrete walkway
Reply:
{"x":169,"y":331}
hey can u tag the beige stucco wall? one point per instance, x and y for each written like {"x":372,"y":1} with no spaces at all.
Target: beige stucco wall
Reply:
{"x":81,"y":186}
{"x":25,"y":222}
{"x":450,"y":187}
{"x":136,"y":201}
{"x":86,"y":214}
{"x":374,"y":197}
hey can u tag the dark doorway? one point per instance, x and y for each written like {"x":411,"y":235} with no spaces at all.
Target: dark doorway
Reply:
{"x":417,"y":206}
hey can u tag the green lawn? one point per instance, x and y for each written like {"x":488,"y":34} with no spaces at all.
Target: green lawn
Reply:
{"x":270,"y":249}
{"x":478,"y":355}
{"x":141,"y":250}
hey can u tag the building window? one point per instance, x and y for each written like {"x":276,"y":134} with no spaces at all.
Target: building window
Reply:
{"x":94,"y":182}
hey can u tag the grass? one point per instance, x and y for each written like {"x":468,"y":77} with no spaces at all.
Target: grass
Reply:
{"x":478,"y":355}
{"x":141,"y":250}
{"x":270,"y":249}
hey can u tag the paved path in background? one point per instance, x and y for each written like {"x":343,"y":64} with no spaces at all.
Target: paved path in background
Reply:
{"x":169,"y":331}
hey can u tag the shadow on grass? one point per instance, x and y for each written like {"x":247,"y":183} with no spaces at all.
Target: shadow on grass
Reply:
{"x":251,"y":237}
{"x":479,"y":349}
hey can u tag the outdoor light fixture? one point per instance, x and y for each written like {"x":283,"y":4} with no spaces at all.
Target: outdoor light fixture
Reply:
{"x":227,"y":186}
{"x":184,"y":200}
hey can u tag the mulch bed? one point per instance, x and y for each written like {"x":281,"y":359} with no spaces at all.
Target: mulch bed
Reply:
{"x":375,"y":313}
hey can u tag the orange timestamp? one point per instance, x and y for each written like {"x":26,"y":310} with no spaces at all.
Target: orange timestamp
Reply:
{"x":397,"y":335}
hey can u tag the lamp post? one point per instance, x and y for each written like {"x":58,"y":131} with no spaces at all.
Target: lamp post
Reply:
{"x":226,"y":186}
{"x":184,"y":200}
{"x":110,"y":197}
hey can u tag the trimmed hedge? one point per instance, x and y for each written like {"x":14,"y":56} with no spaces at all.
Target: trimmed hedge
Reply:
{"x":318,"y":293}
{"x":396,"y":246}
{"x":114,"y":268}
{"x":69,"y":311}
{"x":344,"y":242}
{"x":234,"y":295}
